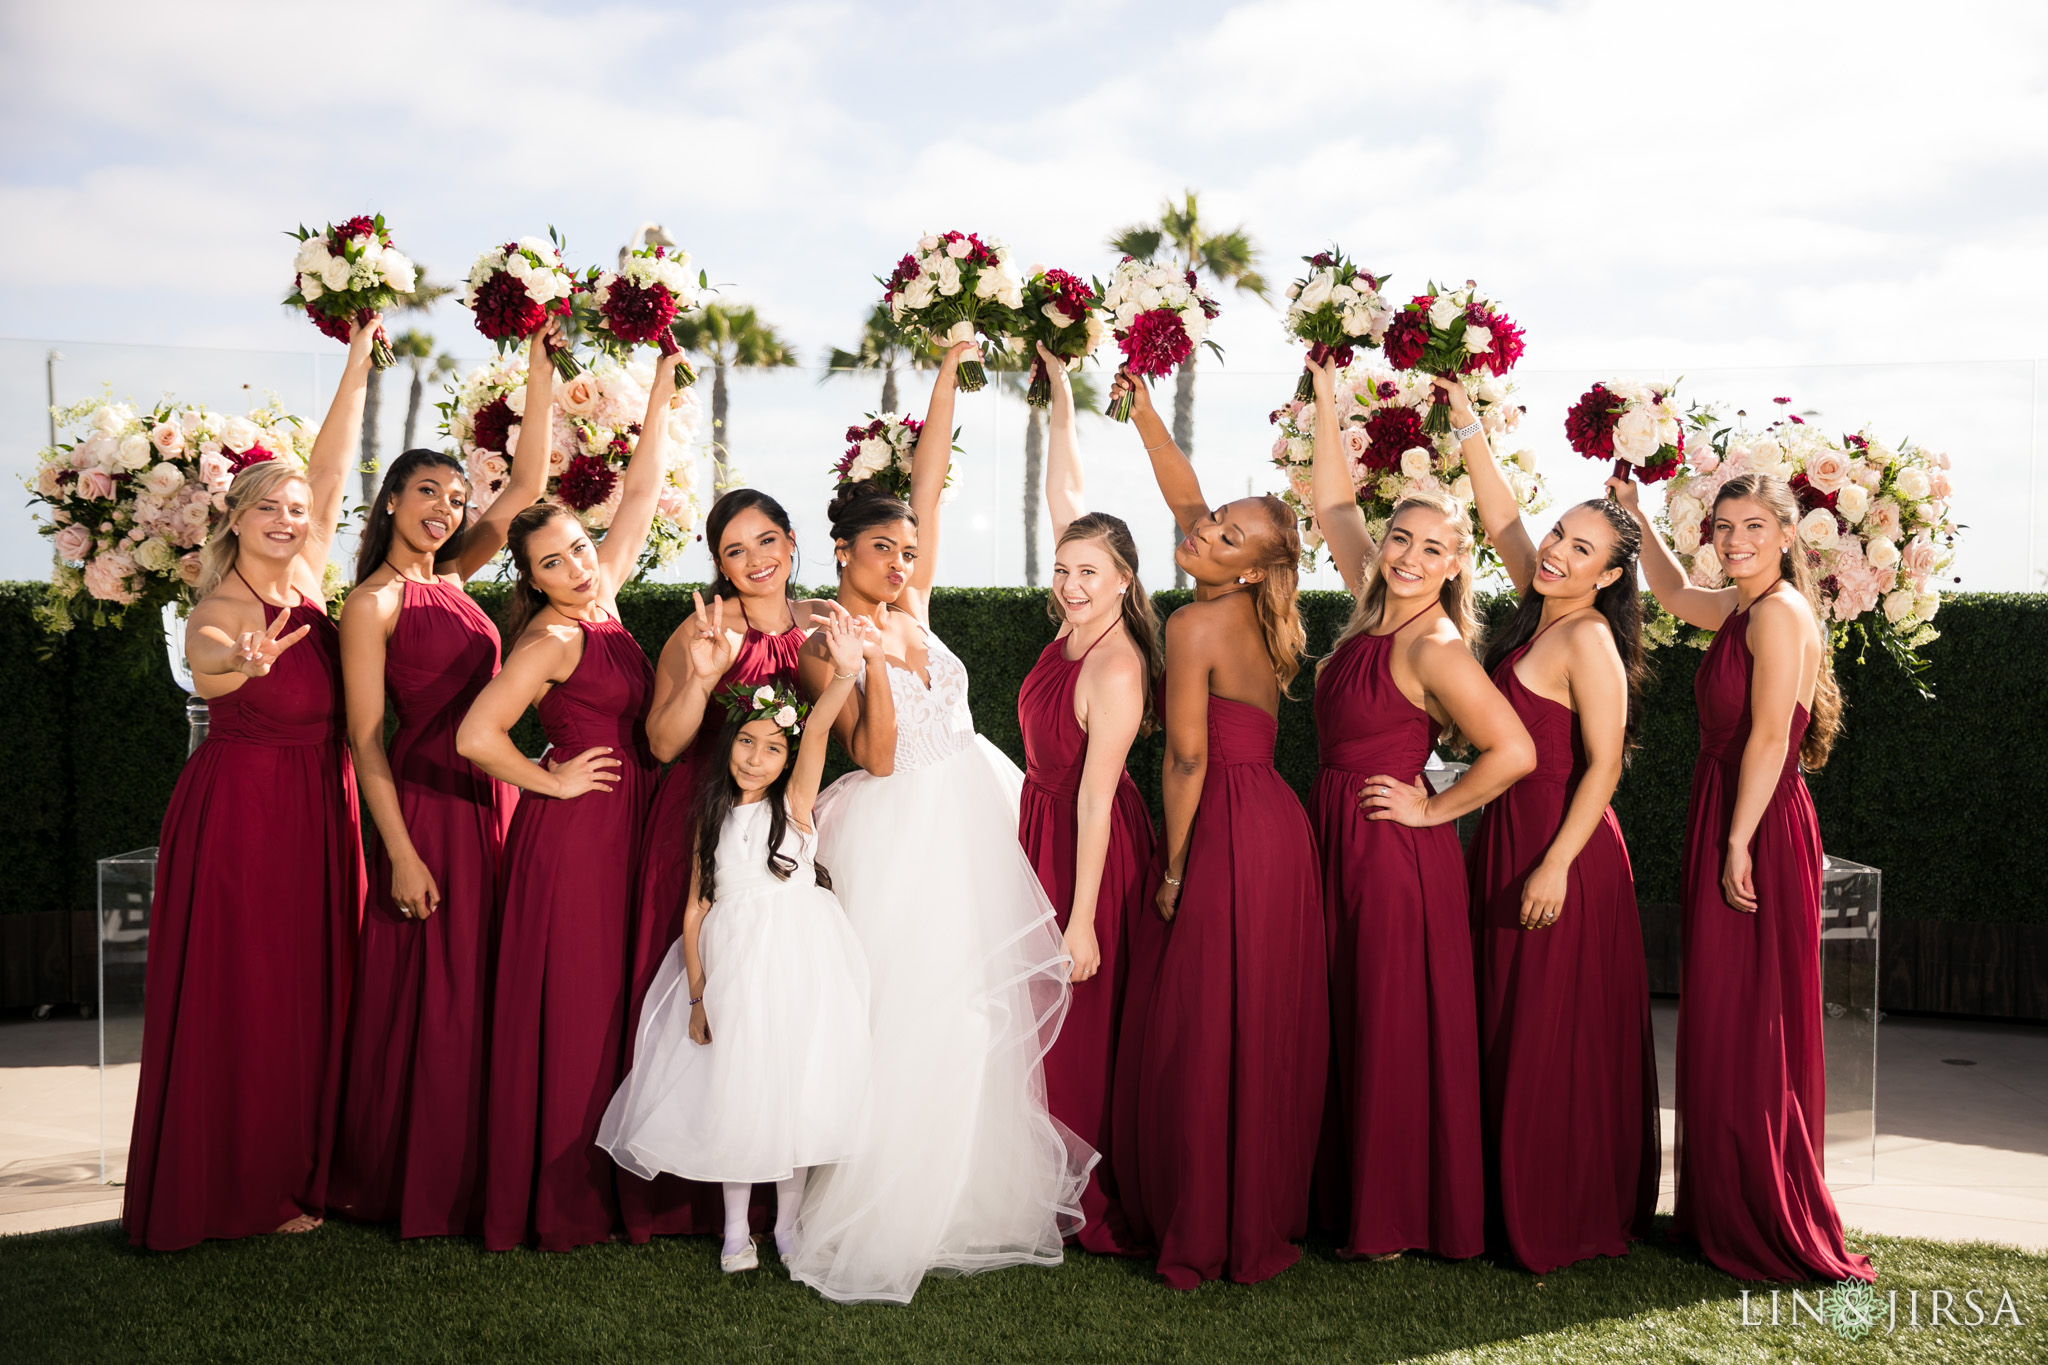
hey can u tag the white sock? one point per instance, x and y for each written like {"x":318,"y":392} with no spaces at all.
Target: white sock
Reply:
{"x":789,"y":1200}
{"x":737,"y":1197}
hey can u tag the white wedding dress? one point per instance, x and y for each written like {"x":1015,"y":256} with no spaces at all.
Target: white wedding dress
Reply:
{"x":957,"y":1166}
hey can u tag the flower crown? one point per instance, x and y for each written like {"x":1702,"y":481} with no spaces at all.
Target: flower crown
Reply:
{"x":771,"y":701}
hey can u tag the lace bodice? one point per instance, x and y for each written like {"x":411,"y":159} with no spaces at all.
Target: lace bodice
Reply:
{"x":932,"y":724}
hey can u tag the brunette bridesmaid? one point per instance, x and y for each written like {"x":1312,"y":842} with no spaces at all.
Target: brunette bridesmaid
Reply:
{"x":259,"y":882}
{"x":409,"y":1142}
{"x":558,"y":1003}
{"x":1081,"y":820}
{"x":1752,"y":1081}
{"x":747,"y":636}
{"x":1568,"y":1066}
{"x":1221,"y":1066}
{"x":1400,"y":1164}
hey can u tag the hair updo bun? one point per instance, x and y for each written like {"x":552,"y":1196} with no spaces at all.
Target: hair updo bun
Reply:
{"x":862,"y":506}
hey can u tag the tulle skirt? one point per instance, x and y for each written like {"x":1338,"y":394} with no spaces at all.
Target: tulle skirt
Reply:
{"x":958,"y":1166}
{"x":782,"y":1082}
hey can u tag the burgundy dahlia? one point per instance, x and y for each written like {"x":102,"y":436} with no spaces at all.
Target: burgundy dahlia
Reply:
{"x":492,"y":424}
{"x":505,"y":311}
{"x":255,"y":454}
{"x":1156,"y":343}
{"x":1589,"y":425}
{"x":586,"y":483}
{"x":638,"y":313}
{"x":1408,"y":334}
{"x":1389,"y":432}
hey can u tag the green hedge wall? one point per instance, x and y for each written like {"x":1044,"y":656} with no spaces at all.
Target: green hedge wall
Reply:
{"x":1943,"y":795}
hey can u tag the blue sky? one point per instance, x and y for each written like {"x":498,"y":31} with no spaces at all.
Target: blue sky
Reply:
{"x":1648,"y":187}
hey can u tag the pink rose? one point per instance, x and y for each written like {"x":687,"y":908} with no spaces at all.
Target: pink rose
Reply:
{"x":215,"y":471}
{"x":107,"y":577}
{"x":579,"y":396}
{"x":49,"y":481}
{"x":1354,"y":442}
{"x":167,"y":437}
{"x":73,"y":544}
{"x":1938,"y":485}
{"x":188,"y":569}
{"x":1917,"y":560}
{"x":1828,"y":471}
{"x":1882,"y":519}
{"x":95,"y":483}
{"x":671,"y":503}
{"x":1279,"y":447}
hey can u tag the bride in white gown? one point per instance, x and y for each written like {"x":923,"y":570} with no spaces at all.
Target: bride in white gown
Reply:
{"x":958,"y":1166}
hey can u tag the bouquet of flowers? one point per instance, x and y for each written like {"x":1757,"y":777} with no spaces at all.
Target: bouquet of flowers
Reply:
{"x":515,"y":288}
{"x":1452,"y":335}
{"x":595,"y":423}
{"x":345,"y":273}
{"x":957,"y":287}
{"x":1876,"y":525}
{"x":1158,"y":316}
{"x":128,"y":502}
{"x":1063,"y":312}
{"x":1335,"y":309}
{"x":1635,"y":425}
{"x":638,"y":305}
{"x":881,"y":451}
{"x":1381,"y":413}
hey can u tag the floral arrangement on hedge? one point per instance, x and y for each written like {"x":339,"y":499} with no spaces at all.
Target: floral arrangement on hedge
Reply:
{"x":1382,"y":415}
{"x":957,"y":288}
{"x":515,"y":288}
{"x":880,"y":451}
{"x":1452,"y":334}
{"x":1876,"y":523}
{"x":1063,"y":312}
{"x":347,"y":272}
{"x":1158,"y":316}
{"x":596,"y":421}
{"x":128,"y":502}
{"x":1336,"y":308}
{"x":638,"y":304}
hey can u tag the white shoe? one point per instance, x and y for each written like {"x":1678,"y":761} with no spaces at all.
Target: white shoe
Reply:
{"x":786,"y":1244}
{"x":746,"y":1258}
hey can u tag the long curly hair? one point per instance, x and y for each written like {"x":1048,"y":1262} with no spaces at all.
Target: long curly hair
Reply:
{"x":1276,"y":596}
{"x":1140,"y":623}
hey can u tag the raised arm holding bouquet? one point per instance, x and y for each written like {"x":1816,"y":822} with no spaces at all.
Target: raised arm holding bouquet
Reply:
{"x":1061,"y":315}
{"x":958,"y":287}
{"x":1159,"y":315}
{"x":638,"y":304}
{"x":1450,"y":335}
{"x":515,"y":288}
{"x":1336,"y":308}
{"x":347,"y":273}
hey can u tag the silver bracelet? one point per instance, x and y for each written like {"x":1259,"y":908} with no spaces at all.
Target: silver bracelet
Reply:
{"x":1171,"y":881}
{"x":844,"y":676}
{"x":1465,"y":434}
{"x":1167,"y":442}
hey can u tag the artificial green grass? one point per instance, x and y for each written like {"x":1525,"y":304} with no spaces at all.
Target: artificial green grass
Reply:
{"x":347,"y":1293}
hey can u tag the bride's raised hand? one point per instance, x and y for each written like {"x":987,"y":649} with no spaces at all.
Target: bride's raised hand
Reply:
{"x":845,"y":642}
{"x":710,"y":650}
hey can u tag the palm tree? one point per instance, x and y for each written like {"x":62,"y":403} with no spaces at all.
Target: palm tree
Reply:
{"x":884,"y":345}
{"x":416,"y":348}
{"x":1087,"y":399}
{"x":425,"y":293}
{"x":728,"y":335}
{"x":1230,"y":258}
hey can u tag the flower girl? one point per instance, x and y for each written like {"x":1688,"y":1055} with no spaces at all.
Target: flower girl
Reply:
{"x":752,"y":1058}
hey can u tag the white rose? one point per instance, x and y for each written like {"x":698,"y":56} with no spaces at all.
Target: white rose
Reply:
{"x":1635,"y":436}
{"x":1852,"y":502}
{"x":398,"y":271}
{"x":1478,"y":340}
{"x":539,"y":246}
{"x":156,"y":556}
{"x":1913,"y":482}
{"x":1057,"y":316}
{"x":1527,"y":460}
{"x":918,"y":294}
{"x":310,"y":288}
{"x":1317,"y":292}
{"x":949,"y":277}
{"x":1461,"y":488}
{"x":1415,"y":462}
{"x":1679,"y":510}
{"x":1685,"y":535}
{"x":1881,"y":553}
{"x":1443,"y":311}
{"x":334,"y":273}
{"x":1926,"y":604}
{"x":1706,"y":568}
{"x":1817,"y":528}
{"x":1767,"y":457}
{"x":1898,"y":605}
{"x":786,"y":717}
{"x":312,"y":255}
{"x":988,"y":284}
{"x":134,"y":452}
{"x":763,"y":696}
{"x":163,"y":480}
{"x":238,"y":434}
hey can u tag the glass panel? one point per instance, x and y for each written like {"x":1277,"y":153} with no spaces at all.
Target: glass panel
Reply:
{"x":126,"y":883}
{"x":1849,"y":919}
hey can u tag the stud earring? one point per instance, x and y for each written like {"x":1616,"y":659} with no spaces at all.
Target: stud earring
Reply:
{"x":1121,"y":591}
{"x":1240,"y":580}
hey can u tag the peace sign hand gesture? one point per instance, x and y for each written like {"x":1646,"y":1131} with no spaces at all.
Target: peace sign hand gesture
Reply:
{"x":257,"y":651}
{"x":711,"y":650}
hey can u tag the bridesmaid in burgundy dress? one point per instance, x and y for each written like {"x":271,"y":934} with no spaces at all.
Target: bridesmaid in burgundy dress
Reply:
{"x":1566,"y":1056}
{"x":1221,"y":1066}
{"x":753,"y":550}
{"x":558,"y":999}
{"x":1752,"y":1081}
{"x":1081,"y":820}
{"x":409,"y":1143}
{"x":259,"y":880}
{"x":1400,"y":1166}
